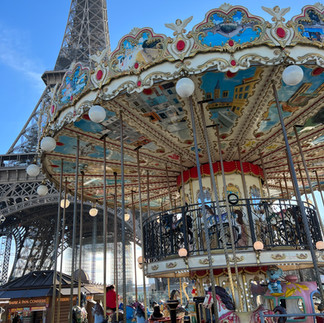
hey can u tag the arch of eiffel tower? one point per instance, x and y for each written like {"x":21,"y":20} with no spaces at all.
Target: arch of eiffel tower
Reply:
{"x":26,"y":218}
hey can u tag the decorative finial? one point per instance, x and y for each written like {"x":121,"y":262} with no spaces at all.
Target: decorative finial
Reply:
{"x":276,"y":13}
{"x":179,"y":26}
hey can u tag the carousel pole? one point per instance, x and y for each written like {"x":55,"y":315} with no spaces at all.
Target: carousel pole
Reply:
{"x":302,"y":180}
{"x":319,"y":186}
{"x":281,"y":189}
{"x":222,"y":232}
{"x":229,"y":217}
{"x":62,"y":243}
{"x":286,"y":185}
{"x":307,"y":175}
{"x":134,"y":242}
{"x":265,"y":174}
{"x":123,"y":211}
{"x":169,"y":189}
{"x":182,"y":184}
{"x":246,"y":196}
{"x":94,"y":242}
{"x":141,"y":225}
{"x":57,"y":232}
{"x":80,"y":238}
{"x":115,"y":241}
{"x":75,"y":210}
{"x":202,"y":198}
{"x":299,"y":200}
{"x":104,"y":224}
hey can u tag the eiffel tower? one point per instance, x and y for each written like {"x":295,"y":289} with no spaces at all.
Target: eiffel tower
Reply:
{"x":25,"y":216}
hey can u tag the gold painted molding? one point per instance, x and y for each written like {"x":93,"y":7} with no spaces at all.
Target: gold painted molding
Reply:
{"x":278,"y":256}
{"x":171,"y":265}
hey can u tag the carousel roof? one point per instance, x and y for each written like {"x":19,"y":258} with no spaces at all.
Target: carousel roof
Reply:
{"x":234,"y":58}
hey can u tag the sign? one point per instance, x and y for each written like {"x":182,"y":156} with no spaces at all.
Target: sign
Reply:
{"x":28,"y":301}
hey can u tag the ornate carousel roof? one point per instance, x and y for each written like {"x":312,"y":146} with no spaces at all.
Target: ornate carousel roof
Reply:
{"x":233,"y":57}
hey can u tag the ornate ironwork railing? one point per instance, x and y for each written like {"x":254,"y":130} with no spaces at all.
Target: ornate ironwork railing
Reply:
{"x":275,"y":222}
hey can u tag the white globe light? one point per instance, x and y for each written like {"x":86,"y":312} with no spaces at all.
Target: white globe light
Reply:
{"x":93,"y":211}
{"x":33,"y":170}
{"x":185,"y":87}
{"x":126,"y":217}
{"x":183,"y":252}
{"x":48,"y":144}
{"x":97,"y":113}
{"x":140,"y":259}
{"x":67,"y":203}
{"x":320,"y":245}
{"x":42,"y":190}
{"x":258,"y":245}
{"x":292,"y":75}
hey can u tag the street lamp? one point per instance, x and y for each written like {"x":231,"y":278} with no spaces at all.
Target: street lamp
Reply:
{"x":293,"y":75}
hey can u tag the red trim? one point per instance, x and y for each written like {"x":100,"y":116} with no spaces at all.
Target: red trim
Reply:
{"x":229,"y":167}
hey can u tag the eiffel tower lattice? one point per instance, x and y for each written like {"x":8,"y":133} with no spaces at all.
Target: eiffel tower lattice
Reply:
{"x":25,"y":217}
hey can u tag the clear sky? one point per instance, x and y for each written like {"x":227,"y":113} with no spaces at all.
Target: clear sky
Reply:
{"x":31,"y":33}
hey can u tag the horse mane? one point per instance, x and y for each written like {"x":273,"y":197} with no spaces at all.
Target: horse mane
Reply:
{"x":225,"y":298}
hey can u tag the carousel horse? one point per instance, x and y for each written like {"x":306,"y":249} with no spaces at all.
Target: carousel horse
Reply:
{"x":79,"y":313}
{"x":226,"y":309}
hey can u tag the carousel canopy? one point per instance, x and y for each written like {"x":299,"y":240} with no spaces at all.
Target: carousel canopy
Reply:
{"x":234,"y":58}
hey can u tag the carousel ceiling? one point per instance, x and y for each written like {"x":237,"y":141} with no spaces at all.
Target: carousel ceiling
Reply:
{"x":234,"y":58}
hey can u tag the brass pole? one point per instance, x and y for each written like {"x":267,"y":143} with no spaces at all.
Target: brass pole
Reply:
{"x":115,"y":241}
{"x":75,"y":210}
{"x":123,"y":211}
{"x":57,"y":232}
{"x":104,"y":224}
{"x":265,"y":174}
{"x":182,"y":183}
{"x":169,"y":190}
{"x":319,"y":186}
{"x":62,"y":244}
{"x":134,"y":242}
{"x":302,"y":180}
{"x":229,"y":217}
{"x":80,"y":237}
{"x":141,"y":225}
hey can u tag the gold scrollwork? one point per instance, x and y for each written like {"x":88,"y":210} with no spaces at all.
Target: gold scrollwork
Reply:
{"x":302,"y":255}
{"x":155,"y":267}
{"x":237,"y":259}
{"x":171,"y":265}
{"x":278,"y":256}
{"x":205,"y":261}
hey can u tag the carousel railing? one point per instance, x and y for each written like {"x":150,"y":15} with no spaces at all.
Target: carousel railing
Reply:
{"x":275,"y":222}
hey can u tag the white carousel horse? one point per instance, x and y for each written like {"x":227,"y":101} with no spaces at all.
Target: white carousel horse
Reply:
{"x":226,"y":309}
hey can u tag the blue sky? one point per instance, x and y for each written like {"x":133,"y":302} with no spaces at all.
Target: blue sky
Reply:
{"x":31,"y":33}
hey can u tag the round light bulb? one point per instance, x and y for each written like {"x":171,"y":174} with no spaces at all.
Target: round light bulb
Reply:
{"x":140,"y":260}
{"x":183,"y":252}
{"x":42,"y":190}
{"x":185,"y":87}
{"x":292,"y":75}
{"x":48,"y":144}
{"x":320,"y":245}
{"x":258,"y":245}
{"x":67,"y":203}
{"x":33,"y":170}
{"x":97,"y":114}
{"x":93,"y":211}
{"x":126,"y":217}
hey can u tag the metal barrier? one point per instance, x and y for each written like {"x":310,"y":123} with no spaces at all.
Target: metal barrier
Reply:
{"x":275,"y":222}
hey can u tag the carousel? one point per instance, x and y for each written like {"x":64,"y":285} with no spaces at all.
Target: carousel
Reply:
{"x":213,"y":138}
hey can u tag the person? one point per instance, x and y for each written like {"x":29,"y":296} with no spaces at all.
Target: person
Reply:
{"x":98,"y":313}
{"x":111,"y":298}
{"x":16,"y":319}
